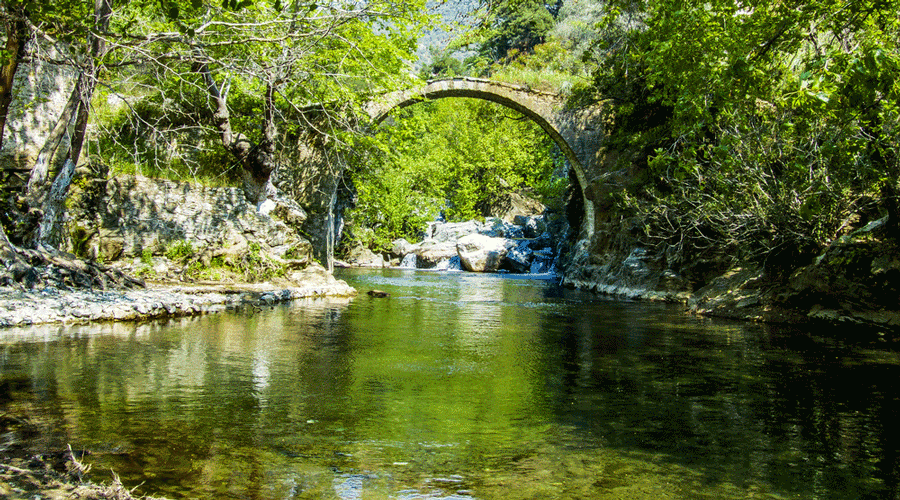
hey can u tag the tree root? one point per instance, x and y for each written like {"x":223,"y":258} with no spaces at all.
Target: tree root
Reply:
{"x":30,"y":268}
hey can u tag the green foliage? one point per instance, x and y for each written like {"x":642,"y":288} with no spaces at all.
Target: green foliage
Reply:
{"x":146,"y":257}
{"x":515,"y":26}
{"x":753,"y":127}
{"x":451,"y":157}
{"x":443,"y":65}
{"x":180,"y":250}
{"x":158,"y":136}
{"x":551,"y":59}
{"x":157,"y":116}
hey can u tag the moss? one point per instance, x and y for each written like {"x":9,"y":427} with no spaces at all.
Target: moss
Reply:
{"x":80,"y":236}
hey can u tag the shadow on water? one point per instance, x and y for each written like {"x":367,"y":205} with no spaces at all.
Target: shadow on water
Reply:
{"x":462,"y":386}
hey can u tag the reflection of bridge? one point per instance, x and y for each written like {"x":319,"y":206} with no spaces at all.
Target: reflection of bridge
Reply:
{"x":578,"y":132}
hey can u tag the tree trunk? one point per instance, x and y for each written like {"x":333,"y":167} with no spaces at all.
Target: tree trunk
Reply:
{"x":36,"y":188}
{"x":16,"y":37}
{"x":257,"y":161}
{"x":49,"y":231}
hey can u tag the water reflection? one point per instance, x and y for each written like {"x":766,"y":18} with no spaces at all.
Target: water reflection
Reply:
{"x":462,"y":386}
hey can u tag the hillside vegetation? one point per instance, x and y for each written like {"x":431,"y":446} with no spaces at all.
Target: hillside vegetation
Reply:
{"x":762,"y":130}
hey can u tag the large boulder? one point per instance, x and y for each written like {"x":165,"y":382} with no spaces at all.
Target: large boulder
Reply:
{"x":518,"y":257}
{"x":499,"y":228}
{"x":453,"y":231}
{"x":433,"y":253}
{"x":401,"y":248}
{"x":508,"y":206}
{"x":480,"y":253}
{"x":363,"y":257}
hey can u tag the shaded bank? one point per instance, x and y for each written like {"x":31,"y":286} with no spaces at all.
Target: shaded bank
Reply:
{"x":854,"y":280}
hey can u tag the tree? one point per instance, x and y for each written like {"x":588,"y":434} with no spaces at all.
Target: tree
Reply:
{"x":16,"y":31}
{"x":515,"y":26}
{"x":276,"y":61}
{"x":754,"y":129}
{"x":266,"y":64}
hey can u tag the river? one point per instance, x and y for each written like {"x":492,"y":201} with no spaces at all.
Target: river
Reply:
{"x":464,"y":386}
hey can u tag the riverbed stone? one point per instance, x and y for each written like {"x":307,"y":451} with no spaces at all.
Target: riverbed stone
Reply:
{"x":517,"y":257}
{"x":480,"y":253}
{"x":430,"y":253}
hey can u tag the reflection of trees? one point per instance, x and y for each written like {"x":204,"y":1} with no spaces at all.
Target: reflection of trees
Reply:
{"x":188,"y":397}
{"x":234,"y":402}
{"x":727,"y":402}
{"x":452,"y":378}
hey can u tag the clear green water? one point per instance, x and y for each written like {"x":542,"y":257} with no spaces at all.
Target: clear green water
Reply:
{"x":464,"y":386}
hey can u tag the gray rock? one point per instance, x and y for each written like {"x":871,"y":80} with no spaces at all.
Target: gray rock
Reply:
{"x":481,"y":253}
{"x":517,"y":258}
{"x":132,"y":214}
{"x":364,"y":257}
{"x":432,"y":252}
{"x":401,"y":248}
{"x":452,"y":232}
{"x":532,"y":226}
{"x":498,"y":228}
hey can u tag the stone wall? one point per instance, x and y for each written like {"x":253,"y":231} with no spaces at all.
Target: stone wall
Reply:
{"x":126,"y":215}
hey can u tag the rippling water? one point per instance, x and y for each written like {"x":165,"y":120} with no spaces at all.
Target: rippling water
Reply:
{"x":464,"y":386}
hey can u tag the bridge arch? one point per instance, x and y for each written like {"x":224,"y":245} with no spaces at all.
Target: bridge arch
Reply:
{"x":566,"y":127}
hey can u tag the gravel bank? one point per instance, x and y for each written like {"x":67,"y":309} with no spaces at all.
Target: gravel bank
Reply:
{"x":54,"y":305}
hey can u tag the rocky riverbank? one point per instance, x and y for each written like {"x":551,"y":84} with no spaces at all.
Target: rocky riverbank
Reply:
{"x":853,"y":281}
{"x":20,"y":306}
{"x":141,"y":248}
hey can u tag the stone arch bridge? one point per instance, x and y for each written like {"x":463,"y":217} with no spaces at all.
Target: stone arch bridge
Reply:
{"x":578,"y":132}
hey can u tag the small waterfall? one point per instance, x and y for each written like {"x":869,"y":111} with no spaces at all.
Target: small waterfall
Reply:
{"x":410,"y":261}
{"x":451,"y":264}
